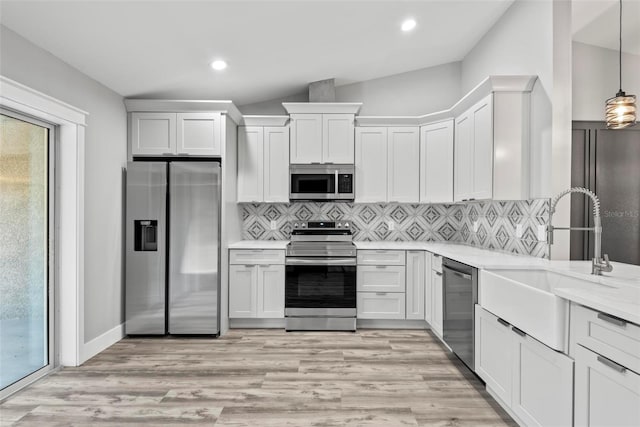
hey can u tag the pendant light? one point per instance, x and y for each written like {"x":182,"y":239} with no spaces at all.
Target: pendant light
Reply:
{"x":621,"y":109}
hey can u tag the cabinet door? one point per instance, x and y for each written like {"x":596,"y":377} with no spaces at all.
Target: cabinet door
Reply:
{"x":483,"y":149}
{"x":271,"y":291}
{"x":276,"y":164}
{"x":153,"y":134}
{"x":493,"y":353}
{"x":243,"y":288}
{"x":306,"y":138}
{"x":404,"y":165}
{"x":606,"y":394}
{"x":542,"y":392}
{"x":337,"y":138}
{"x":198,"y":134}
{"x":463,"y":163}
{"x":436,"y":300}
{"x":436,"y":163}
{"x":428,"y":290}
{"x":371,"y":164}
{"x":415,"y":284}
{"x":381,"y":305}
{"x":250,"y":164}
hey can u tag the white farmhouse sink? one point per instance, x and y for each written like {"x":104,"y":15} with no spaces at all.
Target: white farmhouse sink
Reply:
{"x":525,"y":299}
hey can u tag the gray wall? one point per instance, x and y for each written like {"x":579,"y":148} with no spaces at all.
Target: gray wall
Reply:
{"x":412,"y":93}
{"x":105,"y":155}
{"x":595,"y":78}
{"x":521,"y":42}
{"x":408,"y":94}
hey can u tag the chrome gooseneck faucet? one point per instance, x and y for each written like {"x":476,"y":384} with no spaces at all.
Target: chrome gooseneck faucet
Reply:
{"x":599,"y":263}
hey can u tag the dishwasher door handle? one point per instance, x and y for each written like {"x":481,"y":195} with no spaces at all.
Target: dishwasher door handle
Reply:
{"x":459,"y":274}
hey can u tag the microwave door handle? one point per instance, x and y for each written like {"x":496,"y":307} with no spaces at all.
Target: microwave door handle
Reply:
{"x":335,"y":183}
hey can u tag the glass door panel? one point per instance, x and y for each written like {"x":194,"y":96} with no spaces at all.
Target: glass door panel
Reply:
{"x":24,"y":251}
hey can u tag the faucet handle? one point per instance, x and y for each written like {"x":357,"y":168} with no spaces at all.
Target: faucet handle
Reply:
{"x":606,"y":259}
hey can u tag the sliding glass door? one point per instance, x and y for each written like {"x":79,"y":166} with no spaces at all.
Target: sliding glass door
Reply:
{"x":26,"y":249}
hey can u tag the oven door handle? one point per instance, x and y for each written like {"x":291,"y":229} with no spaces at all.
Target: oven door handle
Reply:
{"x":319,"y":261}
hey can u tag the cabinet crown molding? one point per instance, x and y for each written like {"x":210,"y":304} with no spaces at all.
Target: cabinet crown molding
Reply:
{"x":322,"y":107}
{"x":506,"y":83}
{"x":184,"y":106}
{"x":257,"y":120}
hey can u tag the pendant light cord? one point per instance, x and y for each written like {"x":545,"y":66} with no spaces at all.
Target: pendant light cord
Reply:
{"x":620,"y":51}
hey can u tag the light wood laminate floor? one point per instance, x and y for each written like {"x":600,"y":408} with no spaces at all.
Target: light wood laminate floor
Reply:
{"x":263,"y":378}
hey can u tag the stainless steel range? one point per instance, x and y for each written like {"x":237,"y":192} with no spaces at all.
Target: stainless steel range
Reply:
{"x":320,"y":280}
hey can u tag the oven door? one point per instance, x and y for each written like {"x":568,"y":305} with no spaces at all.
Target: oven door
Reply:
{"x":320,"y":286}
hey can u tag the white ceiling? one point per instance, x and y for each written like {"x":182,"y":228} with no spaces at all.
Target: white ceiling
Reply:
{"x":597,"y":22}
{"x":162,"y":49}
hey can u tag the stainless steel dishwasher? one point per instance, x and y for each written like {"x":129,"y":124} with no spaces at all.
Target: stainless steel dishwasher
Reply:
{"x":460,"y":295}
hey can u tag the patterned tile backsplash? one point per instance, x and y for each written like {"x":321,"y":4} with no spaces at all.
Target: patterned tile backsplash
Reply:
{"x":497,"y":222}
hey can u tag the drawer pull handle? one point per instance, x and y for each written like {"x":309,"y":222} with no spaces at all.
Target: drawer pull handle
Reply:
{"x":381,"y":293}
{"x":381,"y":266}
{"x":249,"y":265}
{"x":438,"y":273}
{"x":518,"y":331}
{"x":503,"y":322}
{"x":612,"y":319}
{"x":613,"y":365}
{"x":264,"y":265}
{"x":436,"y":255}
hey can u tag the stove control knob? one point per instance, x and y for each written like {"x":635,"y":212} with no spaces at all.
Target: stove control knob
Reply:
{"x":303,"y":225}
{"x":295,"y":225}
{"x":346,"y":225}
{"x":339,"y":225}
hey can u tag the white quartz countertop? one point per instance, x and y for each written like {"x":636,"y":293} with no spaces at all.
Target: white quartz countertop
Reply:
{"x":475,"y":257}
{"x":260,"y":244}
{"x":616,"y":293}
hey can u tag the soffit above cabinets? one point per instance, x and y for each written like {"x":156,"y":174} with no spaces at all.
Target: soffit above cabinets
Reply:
{"x":259,"y":120}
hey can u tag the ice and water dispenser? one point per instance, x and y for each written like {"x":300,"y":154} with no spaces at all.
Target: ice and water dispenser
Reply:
{"x":146,"y":234}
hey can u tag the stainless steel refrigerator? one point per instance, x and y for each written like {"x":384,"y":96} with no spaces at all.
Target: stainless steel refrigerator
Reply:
{"x":172,"y":248}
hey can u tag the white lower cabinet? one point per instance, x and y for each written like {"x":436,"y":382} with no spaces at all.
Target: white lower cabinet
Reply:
{"x":534,"y":381}
{"x":415,"y":284}
{"x":256,"y":290}
{"x":380,"y":278}
{"x":493,"y":359}
{"x":436,"y":302}
{"x":428,"y":289}
{"x":381,"y":305}
{"x":606,"y":394}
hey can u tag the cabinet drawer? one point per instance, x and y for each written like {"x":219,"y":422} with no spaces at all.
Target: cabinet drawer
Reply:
{"x":607,"y":335}
{"x":381,"y":257}
{"x":381,"y":305}
{"x":436,"y":263}
{"x":256,"y":256}
{"x":380,"y":278}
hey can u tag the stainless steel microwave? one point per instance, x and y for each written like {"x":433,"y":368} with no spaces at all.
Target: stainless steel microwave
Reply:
{"x":321,"y":182}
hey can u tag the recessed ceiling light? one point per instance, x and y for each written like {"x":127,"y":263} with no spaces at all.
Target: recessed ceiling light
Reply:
{"x":218,"y":65}
{"x":408,"y":25}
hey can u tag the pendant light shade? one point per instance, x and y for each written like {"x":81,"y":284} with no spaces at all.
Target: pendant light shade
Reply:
{"x":620,"y":111}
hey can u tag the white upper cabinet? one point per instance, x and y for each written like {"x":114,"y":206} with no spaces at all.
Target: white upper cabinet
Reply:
{"x":404,"y":164}
{"x":483,"y":149}
{"x":337,"y":138}
{"x":263,"y":164}
{"x":474,"y":152}
{"x":183,"y":134}
{"x":371,"y":164}
{"x":276,"y":164}
{"x":436,"y":163}
{"x":322,"y":132}
{"x":387,"y":164}
{"x":306,"y":138}
{"x":250,"y":164}
{"x":153,"y":134}
{"x":198,"y":134}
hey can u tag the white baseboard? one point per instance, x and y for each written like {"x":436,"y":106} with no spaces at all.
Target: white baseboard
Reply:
{"x":391,"y":324}
{"x":98,"y":344}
